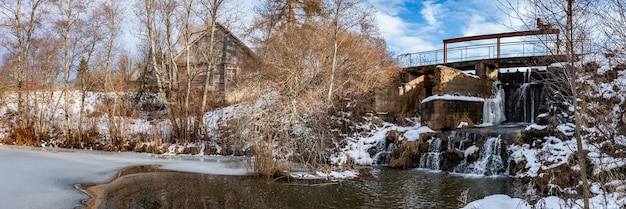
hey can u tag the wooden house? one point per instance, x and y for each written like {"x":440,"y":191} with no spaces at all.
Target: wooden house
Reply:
{"x":230,"y":57}
{"x":222,"y":66}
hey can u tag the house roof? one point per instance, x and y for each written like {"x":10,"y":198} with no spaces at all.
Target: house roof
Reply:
{"x":198,"y":33}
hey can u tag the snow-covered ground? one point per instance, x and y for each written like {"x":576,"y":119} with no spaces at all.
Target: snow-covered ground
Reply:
{"x":45,"y":177}
{"x":612,"y":201}
{"x":357,"y":146}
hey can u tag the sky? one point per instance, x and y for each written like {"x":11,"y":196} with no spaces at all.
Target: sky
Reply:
{"x":422,"y":25}
{"x":406,"y":25}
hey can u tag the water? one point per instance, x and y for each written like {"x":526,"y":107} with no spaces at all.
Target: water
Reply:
{"x":432,"y":159}
{"x":386,"y":189}
{"x":524,"y":102}
{"x":383,"y":152}
{"x":490,"y":160}
{"x":479,"y":151}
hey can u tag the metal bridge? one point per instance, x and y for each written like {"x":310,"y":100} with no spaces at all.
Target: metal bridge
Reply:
{"x":542,"y":50}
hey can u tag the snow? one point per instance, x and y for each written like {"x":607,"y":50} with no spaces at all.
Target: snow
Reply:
{"x":414,"y":135}
{"x":553,"y":153}
{"x":357,"y":146}
{"x":24,"y":185}
{"x":453,"y":98}
{"x":471,"y":150}
{"x":471,"y":75}
{"x":567,"y":129}
{"x":613,"y":201}
{"x":497,"y":201}
{"x":535,"y":127}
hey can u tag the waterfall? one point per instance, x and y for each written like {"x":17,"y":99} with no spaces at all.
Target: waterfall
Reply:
{"x":493,"y":108}
{"x":521,"y":99}
{"x":524,"y":100}
{"x":383,"y":153}
{"x":432,"y":158}
{"x":489,"y":161}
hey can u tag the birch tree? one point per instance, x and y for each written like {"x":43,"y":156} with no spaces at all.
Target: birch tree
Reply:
{"x":67,"y":26}
{"x":345,"y":15}
{"x":212,"y":10}
{"x":148,"y":15}
{"x":21,"y":18}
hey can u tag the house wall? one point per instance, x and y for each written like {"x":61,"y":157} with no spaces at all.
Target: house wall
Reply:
{"x":228,"y":60}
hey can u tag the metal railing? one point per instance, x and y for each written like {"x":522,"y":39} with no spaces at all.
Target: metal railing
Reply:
{"x":480,"y":52}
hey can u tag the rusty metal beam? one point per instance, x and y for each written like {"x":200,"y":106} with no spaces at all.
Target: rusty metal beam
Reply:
{"x":501,"y":35}
{"x":542,"y":31}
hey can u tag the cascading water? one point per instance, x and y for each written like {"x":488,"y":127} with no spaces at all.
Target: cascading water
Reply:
{"x":525,"y":102}
{"x":493,"y":108}
{"x":432,"y":159}
{"x":466,"y":152}
{"x":521,"y":99}
{"x":489,"y":162}
{"x":383,"y":153}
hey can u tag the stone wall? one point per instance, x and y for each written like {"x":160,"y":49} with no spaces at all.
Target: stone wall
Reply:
{"x":447,"y":114}
{"x":387,"y":99}
{"x":455,"y":82}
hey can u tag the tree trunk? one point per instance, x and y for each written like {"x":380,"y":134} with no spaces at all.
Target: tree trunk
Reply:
{"x":581,"y":154}
{"x":209,"y":69}
{"x":335,"y":48}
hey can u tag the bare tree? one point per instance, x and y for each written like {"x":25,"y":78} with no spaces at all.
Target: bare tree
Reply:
{"x":299,"y":52}
{"x":110,"y":16}
{"x":346,"y":15}
{"x":213,"y":9}
{"x":577,"y":19}
{"x":21,"y":19}
{"x":68,"y":26}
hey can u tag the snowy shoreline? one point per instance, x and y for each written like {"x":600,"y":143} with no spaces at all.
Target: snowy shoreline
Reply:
{"x":46,"y":177}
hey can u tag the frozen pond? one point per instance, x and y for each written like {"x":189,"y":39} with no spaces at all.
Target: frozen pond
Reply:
{"x":387,"y":188}
{"x":46,"y":177}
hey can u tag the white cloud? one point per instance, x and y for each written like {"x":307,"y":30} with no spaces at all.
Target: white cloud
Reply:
{"x":390,"y":26}
{"x":478,"y":25}
{"x":391,"y":7}
{"x":401,"y":35}
{"x":430,"y":12}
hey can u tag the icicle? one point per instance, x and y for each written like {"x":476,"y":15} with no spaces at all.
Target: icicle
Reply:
{"x":493,"y":108}
{"x":521,"y":95}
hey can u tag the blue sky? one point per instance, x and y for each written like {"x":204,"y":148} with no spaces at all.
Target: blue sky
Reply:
{"x":421,"y":25}
{"x":409,"y":25}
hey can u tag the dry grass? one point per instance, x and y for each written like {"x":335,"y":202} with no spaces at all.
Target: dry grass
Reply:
{"x":462,"y":199}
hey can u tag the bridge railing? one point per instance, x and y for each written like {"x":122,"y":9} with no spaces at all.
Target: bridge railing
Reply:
{"x":479,"y":52}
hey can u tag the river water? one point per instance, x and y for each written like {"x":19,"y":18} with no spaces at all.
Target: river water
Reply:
{"x":147,"y":187}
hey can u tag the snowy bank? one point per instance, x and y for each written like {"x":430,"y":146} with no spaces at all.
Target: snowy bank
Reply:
{"x":611,"y":201}
{"x":357,"y":146}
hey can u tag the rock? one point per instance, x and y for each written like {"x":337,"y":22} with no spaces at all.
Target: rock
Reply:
{"x":453,"y":155}
{"x":407,"y":155}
